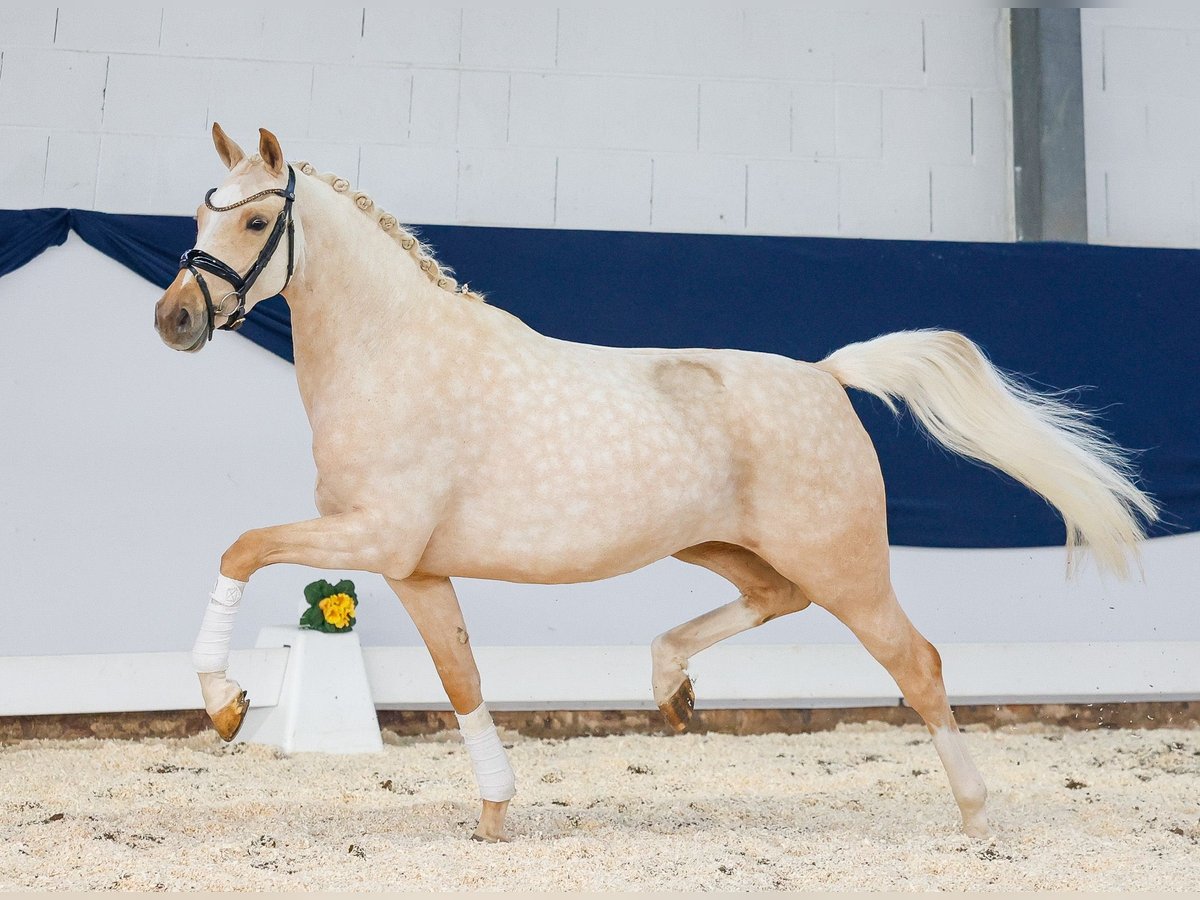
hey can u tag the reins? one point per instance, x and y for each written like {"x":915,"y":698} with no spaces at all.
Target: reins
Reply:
{"x":195,"y":260}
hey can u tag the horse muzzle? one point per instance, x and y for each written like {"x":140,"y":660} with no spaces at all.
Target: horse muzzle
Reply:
{"x":181,"y":319}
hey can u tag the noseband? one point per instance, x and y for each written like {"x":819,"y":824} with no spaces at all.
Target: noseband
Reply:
{"x":196,"y":259}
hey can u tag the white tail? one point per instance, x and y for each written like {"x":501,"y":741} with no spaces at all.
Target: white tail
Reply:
{"x":974,"y":409}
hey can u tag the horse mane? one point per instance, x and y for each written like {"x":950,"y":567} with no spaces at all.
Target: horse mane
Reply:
{"x":422,"y":254}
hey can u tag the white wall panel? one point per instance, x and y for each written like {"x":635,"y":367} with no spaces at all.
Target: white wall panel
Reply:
{"x":966,"y":203}
{"x":328,"y":33}
{"x":610,"y":113}
{"x":246,"y":95}
{"x":483,"y":108}
{"x":124,"y":27}
{"x":966,"y":51}
{"x":52,"y":89}
{"x":495,"y":186}
{"x":26,"y":24}
{"x":1141,"y":101}
{"x":750,"y":117}
{"x":339,"y":157}
{"x":782,"y":193}
{"x":667,"y":40}
{"x":193,"y":30}
{"x":369,"y":103}
{"x":1116,"y":131}
{"x":859,"y":117}
{"x":932,"y":126}
{"x":793,"y":42}
{"x":1172,"y":134}
{"x":509,"y":35}
{"x":143,"y":95}
{"x":886,"y":199}
{"x":1151,"y":206}
{"x":991,"y":134}
{"x":417,"y":33}
{"x":71,"y":166}
{"x":707,"y":193}
{"x":602,"y":189}
{"x":750,"y":86}
{"x":433,"y":114}
{"x":813,"y":115}
{"x":140,"y":175}
{"x":23,"y":154}
{"x":415,"y":184}
{"x":879,"y":47}
{"x":1149,"y":61}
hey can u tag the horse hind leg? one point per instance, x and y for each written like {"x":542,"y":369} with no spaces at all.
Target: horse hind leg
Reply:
{"x":883,"y":628}
{"x":765,"y":594}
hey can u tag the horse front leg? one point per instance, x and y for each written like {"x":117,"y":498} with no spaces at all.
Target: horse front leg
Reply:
{"x":330,"y":542}
{"x":434,"y":608}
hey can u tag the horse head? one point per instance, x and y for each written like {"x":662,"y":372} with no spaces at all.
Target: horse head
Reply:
{"x":245,"y":246}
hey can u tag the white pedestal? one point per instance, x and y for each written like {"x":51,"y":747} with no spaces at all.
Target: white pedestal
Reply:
{"x":325,"y":703}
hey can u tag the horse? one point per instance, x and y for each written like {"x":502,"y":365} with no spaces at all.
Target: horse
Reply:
{"x":451,"y":439}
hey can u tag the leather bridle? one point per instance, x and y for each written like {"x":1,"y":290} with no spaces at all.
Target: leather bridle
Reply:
{"x":196,"y":259}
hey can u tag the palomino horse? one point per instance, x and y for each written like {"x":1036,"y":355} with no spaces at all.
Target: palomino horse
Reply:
{"x":452,"y":439}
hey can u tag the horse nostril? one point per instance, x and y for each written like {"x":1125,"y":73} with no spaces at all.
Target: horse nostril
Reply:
{"x":183,"y":320}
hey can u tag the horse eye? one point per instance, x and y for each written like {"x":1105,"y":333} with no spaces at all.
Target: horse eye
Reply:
{"x":256,"y":224}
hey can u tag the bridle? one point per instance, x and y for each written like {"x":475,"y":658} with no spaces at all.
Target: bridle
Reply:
{"x":196,"y":259}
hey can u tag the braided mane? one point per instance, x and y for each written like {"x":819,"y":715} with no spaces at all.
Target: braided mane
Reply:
{"x":442,"y":276}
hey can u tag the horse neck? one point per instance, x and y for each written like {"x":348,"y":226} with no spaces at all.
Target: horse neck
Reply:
{"x":355,"y":290}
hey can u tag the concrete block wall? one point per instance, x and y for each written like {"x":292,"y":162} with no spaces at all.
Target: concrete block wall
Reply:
{"x":1141,"y":87}
{"x":759,"y":117}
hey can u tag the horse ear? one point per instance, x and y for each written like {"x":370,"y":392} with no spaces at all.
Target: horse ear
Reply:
{"x":269,"y":150}
{"x":231,"y":154}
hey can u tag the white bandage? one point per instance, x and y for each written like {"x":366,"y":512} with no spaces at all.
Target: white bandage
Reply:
{"x":210,"y":653}
{"x":492,"y":771}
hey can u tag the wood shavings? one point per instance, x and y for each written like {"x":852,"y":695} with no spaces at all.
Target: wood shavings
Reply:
{"x":836,"y":810}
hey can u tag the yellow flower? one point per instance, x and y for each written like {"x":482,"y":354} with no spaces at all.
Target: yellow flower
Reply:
{"x":337,"y":609}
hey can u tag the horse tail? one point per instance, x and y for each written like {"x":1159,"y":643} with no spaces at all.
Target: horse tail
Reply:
{"x":974,"y":409}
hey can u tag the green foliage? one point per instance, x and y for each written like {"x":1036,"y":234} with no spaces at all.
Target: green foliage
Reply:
{"x":313,"y":617}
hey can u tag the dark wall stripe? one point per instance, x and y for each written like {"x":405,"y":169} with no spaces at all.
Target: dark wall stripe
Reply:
{"x":1121,"y":322}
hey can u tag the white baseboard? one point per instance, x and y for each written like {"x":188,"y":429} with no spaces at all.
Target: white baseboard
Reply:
{"x":125,"y":682}
{"x":734,"y":675}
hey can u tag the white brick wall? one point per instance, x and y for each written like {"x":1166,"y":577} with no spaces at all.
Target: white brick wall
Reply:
{"x":603,"y":189}
{"x":759,"y":117}
{"x":1141,"y":89}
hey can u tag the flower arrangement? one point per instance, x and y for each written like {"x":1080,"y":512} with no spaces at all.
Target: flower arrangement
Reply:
{"x":331,"y":607}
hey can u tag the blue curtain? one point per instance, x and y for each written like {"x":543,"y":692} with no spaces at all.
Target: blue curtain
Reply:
{"x":26,"y":233}
{"x":1118,"y":321}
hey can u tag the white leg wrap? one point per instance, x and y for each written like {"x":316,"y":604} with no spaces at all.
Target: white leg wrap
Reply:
{"x":210,"y":653}
{"x":492,"y":771}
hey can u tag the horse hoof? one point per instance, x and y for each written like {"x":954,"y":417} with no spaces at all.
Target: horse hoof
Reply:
{"x":489,"y":839}
{"x":978,"y":829}
{"x":677,"y":709}
{"x":229,"y":718}
{"x":490,"y":829}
